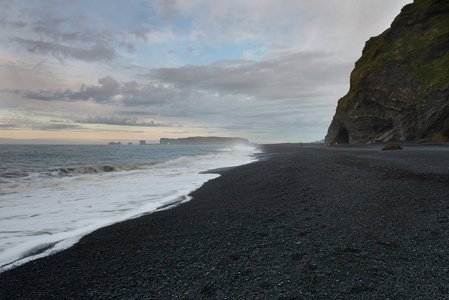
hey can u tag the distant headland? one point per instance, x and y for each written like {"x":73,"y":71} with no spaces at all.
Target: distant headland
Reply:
{"x":198,"y":140}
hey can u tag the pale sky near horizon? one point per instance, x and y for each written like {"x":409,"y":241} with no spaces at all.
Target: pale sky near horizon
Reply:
{"x":79,"y":71}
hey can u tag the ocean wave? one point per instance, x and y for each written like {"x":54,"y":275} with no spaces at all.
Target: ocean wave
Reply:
{"x":47,"y":208}
{"x":180,"y":161}
{"x":84,"y":170}
{"x":13,"y":175}
{"x":23,"y":178}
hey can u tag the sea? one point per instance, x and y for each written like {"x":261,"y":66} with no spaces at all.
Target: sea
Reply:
{"x":52,"y":195}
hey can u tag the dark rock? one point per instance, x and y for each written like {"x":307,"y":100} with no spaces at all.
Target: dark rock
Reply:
{"x":392,"y":146}
{"x":399,"y":88}
{"x":436,"y":138}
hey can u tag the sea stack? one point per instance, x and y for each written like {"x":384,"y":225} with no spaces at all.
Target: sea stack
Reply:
{"x":399,"y":88}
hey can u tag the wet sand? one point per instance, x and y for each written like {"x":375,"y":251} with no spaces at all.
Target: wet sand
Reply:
{"x":308,"y":222}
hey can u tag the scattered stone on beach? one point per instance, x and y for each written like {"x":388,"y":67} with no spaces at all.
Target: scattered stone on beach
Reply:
{"x":436,"y":138}
{"x":392,"y":146}
{"x":315,"y":223}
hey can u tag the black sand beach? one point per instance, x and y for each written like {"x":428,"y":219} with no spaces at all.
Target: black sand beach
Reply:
{"x":308,"y":222}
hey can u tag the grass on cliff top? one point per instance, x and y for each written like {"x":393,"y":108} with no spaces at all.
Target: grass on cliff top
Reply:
{"x":409,"y":49}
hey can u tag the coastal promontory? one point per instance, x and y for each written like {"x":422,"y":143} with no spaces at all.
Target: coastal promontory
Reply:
{"x":399,"y":88}
{"x":199,"y":140}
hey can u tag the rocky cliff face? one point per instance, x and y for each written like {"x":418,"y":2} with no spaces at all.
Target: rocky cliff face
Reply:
{"x":399,"y":88}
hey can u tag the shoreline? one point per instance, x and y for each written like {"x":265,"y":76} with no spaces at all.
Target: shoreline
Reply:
{"x":55,"y":239}
{"x":305,"y":222}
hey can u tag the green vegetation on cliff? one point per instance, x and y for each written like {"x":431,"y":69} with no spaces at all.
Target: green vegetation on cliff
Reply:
{"x":418,"y":40}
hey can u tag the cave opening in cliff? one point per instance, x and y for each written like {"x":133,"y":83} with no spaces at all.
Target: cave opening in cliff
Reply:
{"x":342,"y":136}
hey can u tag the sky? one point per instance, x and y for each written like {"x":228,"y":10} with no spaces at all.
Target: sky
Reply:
{"x":271,"y":71}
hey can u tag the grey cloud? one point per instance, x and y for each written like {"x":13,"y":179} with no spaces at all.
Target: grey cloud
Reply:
{"x":120,"y":121}
{"x":15,"y":74}
{"x":52,"y":36}
{"x":167,"y":8}
{"x":109,"y":87}
{"x":286,"y":77}
{"x":55,"y":127}
{"x":12,"y":23}
{"x":50,"y":28}
{"x":136,"y":113}
{"x":47,"y":95}
{"x":38,"y":125}
{"x":8,"y":126}
{"x":5,"y":20}
{"x":130,"y":48}
{"x":137,"y":94}
{"x":103,"y":93}
{"x":76,"y":36}
{"x":142,"y":33}
{"x":97,"y":52}
{"x":109,"y":90}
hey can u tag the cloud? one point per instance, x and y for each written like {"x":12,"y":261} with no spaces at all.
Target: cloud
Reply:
{"x":105,"y":92}
{"x":67,"y":31}
{"x":110,"y":91}
{"x":62,"y":125}
{"x":33,"y":124}
{"x":142,"y":33}
{"x":16,"y":74}
{"x":8,"y":126}
{"x":97,"y":52}
{"x":228,"y":94}
{"x":45,"y":95}
{"x":120,"y":122}
{"x":55,"y":127}
{"x":270,"y":68}
{"x":166,"y":8}
{"x":289,"y":76}
{"x":324,"y":24}
{"x":40,"y":30}
{"x":147,"y":34}
{"x":134,"y":93}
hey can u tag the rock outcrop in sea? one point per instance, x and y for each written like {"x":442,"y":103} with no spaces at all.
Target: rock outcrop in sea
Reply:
{"x":399,"y":88}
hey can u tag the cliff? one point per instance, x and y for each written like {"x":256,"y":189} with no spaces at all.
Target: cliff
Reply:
{"x":399,"y":88}
{"x":211,"y":140}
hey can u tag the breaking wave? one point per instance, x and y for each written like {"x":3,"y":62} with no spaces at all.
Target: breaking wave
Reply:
{"x":47,"y":208}
{"x":70,"y":171}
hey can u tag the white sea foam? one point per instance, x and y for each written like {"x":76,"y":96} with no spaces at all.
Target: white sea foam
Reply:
{"x":45,"y":216}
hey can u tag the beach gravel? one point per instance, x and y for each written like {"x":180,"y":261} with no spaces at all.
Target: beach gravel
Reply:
{"x":304,"y":222}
